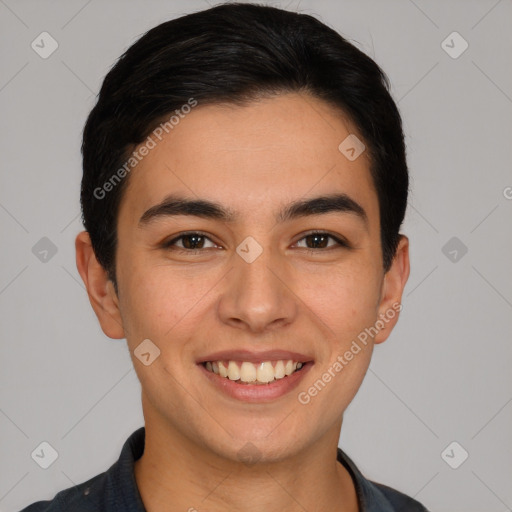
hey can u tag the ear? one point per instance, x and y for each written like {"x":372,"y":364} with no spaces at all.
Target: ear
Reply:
{"x":100,"y":289}
{"x":391,"y":292}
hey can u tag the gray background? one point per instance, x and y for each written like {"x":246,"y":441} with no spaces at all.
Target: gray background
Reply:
{"x":443,"y":376}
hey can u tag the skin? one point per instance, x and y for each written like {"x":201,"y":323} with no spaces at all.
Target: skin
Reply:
{"x":253,"y":159}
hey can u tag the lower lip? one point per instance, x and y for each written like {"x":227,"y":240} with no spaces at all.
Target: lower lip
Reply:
{"x":257,"y":392}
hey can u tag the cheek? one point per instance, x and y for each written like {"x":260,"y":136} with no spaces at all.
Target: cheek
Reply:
{"x":345,"y":298}
{"x":346,"y":304}
{"x":158,"y":303}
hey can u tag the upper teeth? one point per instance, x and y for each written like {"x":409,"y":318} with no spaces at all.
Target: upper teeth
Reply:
{"x":249,"y":372}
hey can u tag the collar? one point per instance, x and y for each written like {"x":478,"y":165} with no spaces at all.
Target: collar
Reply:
{"x":122,"y":492}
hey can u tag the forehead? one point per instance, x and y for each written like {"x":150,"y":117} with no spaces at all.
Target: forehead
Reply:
{"x":270,"y":151}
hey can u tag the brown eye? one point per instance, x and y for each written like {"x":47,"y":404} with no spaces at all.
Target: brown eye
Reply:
{"x":193,"y":241}
{"x":320,"y":240}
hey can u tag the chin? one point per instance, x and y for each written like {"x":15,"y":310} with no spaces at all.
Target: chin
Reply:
{"x":258,"y":445}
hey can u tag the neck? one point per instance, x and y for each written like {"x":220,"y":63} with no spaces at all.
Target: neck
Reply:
{"x":174,"y":470}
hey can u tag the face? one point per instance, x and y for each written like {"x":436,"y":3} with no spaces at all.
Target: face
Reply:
{"x":266,"y":274}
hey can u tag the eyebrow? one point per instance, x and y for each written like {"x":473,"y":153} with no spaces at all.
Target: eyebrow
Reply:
{"x":174,"y":205}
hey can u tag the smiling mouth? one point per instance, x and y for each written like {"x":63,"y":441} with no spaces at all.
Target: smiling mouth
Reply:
{"x":245,"y":372}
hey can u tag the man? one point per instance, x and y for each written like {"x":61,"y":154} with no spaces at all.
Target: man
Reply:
{"x":244,"y":184}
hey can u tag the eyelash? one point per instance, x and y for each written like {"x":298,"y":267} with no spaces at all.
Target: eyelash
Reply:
{"x":170,"y":244}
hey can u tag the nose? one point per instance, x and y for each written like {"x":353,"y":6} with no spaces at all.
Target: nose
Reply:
{"x":258,"y":295}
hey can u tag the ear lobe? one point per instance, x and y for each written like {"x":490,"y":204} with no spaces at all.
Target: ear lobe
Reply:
{"x":100,"y":290}
{"x":393,"y":286}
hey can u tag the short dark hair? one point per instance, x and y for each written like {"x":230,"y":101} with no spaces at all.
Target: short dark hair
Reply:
{"x":236,"y":53}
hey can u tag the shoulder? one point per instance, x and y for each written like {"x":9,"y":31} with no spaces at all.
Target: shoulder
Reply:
{"x":85,"y":497}
{"x":398,"y":501}
{"x":114,"y":488}
{"x":376,"y":497}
